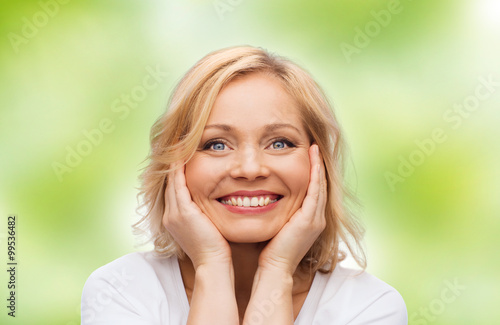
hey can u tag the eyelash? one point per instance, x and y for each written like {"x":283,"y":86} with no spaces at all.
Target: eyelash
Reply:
{"x":287,"y":142}
{"x":209,"y":143}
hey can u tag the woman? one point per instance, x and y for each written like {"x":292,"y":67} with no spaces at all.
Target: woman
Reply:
{"x":245,"y":207}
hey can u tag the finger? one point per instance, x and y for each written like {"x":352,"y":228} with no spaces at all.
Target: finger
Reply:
{"x":313,"y":191}
{"x":322,"y":195}
{"x":182,"y":194}
{"x":180,"y":188}
{"x":322,"y":198}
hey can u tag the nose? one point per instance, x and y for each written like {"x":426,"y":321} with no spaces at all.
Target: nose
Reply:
{"x":249,"y":164}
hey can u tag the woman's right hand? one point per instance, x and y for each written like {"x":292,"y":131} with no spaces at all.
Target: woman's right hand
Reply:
{"x":213,"y":295}
{"x":189,"y":226}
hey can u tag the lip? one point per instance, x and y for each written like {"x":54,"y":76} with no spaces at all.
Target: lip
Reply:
{"x":250,"y":193}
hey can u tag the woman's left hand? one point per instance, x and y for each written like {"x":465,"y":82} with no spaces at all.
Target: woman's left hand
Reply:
{"x":288,"y":247}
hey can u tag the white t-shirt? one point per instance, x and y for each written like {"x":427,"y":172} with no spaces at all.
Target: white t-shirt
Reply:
{"x":142,"y":288}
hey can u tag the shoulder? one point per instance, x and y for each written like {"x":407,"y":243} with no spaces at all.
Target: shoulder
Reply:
{"x":130,"y":289}
{"x":357,"y":297}
{"x":360,"y":283}
{"x":132,"y":264}
{"x":128,"y":273}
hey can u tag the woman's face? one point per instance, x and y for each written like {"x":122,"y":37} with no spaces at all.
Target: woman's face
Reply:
{"x":251,"y":170}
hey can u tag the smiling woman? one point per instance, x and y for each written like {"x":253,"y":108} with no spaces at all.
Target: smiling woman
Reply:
{"x":246,"y":209}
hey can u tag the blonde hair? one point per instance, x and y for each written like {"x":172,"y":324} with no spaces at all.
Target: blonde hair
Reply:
{"x":177,"y":133}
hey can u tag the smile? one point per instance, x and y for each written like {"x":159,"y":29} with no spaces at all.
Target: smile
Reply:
{"x":249,"y":201}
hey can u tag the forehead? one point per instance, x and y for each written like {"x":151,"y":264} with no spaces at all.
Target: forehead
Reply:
{"x":255,"y":99}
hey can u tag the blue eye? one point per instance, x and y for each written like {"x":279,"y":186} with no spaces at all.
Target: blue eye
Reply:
{"x":218,"y":146}
{"x":278,"y":145}
{"x":215,"y":145}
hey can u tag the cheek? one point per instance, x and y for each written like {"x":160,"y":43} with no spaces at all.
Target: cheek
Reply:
{"x":202,"y":176}
{"x":194,"y":177}
{"x":297,"y":172}
{"x":303,"y":172}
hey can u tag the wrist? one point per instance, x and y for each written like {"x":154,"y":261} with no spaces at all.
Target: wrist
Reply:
{"x":213,"y":261}
{"x":214,"y":278}
{"x":214,"y":270}
{"x":282,"y":277}
{"x":277,"y":267}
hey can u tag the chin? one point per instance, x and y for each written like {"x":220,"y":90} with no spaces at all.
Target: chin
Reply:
{"x":249,"y":236}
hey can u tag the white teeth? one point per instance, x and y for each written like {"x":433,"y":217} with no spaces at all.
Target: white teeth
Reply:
{"x":246,"y":201}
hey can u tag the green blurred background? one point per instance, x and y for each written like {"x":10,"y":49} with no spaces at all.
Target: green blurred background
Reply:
{"x":396,"y":71}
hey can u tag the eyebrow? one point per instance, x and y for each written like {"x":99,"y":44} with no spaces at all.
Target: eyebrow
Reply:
{"x":268,"y":128}
{"x":224,"y":127}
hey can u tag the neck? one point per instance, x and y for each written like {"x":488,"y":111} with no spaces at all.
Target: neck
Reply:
{"x":245,"y":262}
